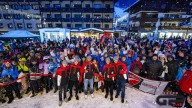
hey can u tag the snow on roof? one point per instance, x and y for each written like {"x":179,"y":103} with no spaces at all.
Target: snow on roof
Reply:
{"x":74,"y":30}
{"x":18,"y":34}
{"x":89,"y":29}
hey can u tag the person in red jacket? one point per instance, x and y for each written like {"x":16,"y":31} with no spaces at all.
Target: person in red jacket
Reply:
{"x":185,"y":84}
{"x":136,"y":66}
{"x":63,"y":77}
{"x":88,"y":74}
{"x":74,"y":78}
{"x":109,"y":77}
{"x":121,"y":77}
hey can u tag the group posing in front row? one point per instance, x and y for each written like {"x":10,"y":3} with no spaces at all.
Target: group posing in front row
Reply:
{"x":63,"y":76}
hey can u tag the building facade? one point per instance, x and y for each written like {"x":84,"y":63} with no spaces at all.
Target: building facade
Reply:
{"x":167,"y":17}
{"x":73,"y":14}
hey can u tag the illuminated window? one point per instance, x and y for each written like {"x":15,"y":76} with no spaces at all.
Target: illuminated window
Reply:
{"x":10,"y":25}
{"x":29,"y":25}
{"x":19,"y":25}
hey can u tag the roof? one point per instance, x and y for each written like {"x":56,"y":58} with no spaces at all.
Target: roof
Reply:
{"x":91,"y":29}
{"x":18,"y":34}
{"x":131,"y":5}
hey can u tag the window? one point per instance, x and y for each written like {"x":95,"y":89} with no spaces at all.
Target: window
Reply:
{"x":1,"y":25}
{"x":26,"y":7}
{"x":173,"y":24}
{"x":107,"y":5}
{"x":106,"y":16}
{"x":7,"y":16}
{"x":59,"y":25}
{"x":87,"y":25}
{"x":50,"y":25}
{"x":36,"y":7}
{"x":68,"y":25}
{"x":48,"y":15}
{"x":97,"y":6}
{"x":39,"y":25}
{"x":97,"y":25}
{"x":77,"y":16}
{"x":67,"y":6}
{"x":87,"y":6}
{"x":88,"y":16}
{"x":106,"y":26}
{"x":27,"y":16}
{"x":56,"y":5}
{"x":10,"y":25}
{"x":58,"y":16}
{"x":36,"y":16}
{"x":17,"y":16}
{"x":77,"y":6}
{"x":16,"y":7}
{"x":97,"y":16}
{"x":148,"y":24}
{"x":47,"y":6}
{"x":19,"y":25}
{"x":68,"y":16}
{"x":78,"y":25}
{"x":29,"y":25}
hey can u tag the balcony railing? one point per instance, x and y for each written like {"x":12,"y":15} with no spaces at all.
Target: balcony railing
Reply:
{"x":174,"y":19}
{"x":106,"y":20}
{"x":89,"y":10}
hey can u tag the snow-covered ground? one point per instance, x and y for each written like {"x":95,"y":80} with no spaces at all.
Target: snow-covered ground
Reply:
{"x":133,"y":99}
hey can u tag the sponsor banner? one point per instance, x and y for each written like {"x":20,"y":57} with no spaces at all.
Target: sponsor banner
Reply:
{"x":146,"y":85}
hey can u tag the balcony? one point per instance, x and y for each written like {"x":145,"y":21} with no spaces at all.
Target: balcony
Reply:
{"x":66,"y":20}
{"x":87,"y":19}
{"x":76,"y":9}
{"x":108,"y":20}
{"x":108,"y":10}
{"x":97,"y":19}
{"x":77,"y":19}
{"x":174,"y":19}
{"x":53,"y":19}
{"x":88,"y":10}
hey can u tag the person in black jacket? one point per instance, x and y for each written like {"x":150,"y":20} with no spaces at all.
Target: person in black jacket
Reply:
{"x":173,"y":66}
{"x":35,"y":82}
{"x":153,"y":68}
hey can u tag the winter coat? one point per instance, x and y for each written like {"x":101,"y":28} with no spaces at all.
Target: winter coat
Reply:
{"x":179,"y":74}
{"x":53,"y":67}
{"x":121,"y":70}
{"x":45,"y":68}
{"x":101,"y":64}
{"x":173,"y":69}
{"x":186,"y":82}
{"x":63,"y":72}
{"x":89,"y":67}
{"x":74,"y":73}
{"x":109,"y":72}
{"x":154,"y":69}
{"x":12,"y":71}
{"x":34,"y":72}
{"x":23,"y":68}
{"x":136,"y":67}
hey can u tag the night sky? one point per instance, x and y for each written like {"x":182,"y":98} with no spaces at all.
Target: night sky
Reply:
{"x":126,"y":3}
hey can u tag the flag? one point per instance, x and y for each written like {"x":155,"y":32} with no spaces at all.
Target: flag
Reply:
{"x":146,"y":85}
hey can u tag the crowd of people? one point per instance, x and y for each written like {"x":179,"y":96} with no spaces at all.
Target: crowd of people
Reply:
{"x":87,"y":63}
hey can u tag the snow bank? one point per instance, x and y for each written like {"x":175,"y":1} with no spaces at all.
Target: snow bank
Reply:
{"x":133,"y":99}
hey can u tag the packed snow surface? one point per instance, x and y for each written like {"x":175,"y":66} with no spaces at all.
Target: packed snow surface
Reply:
{"x":134,"y":99}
